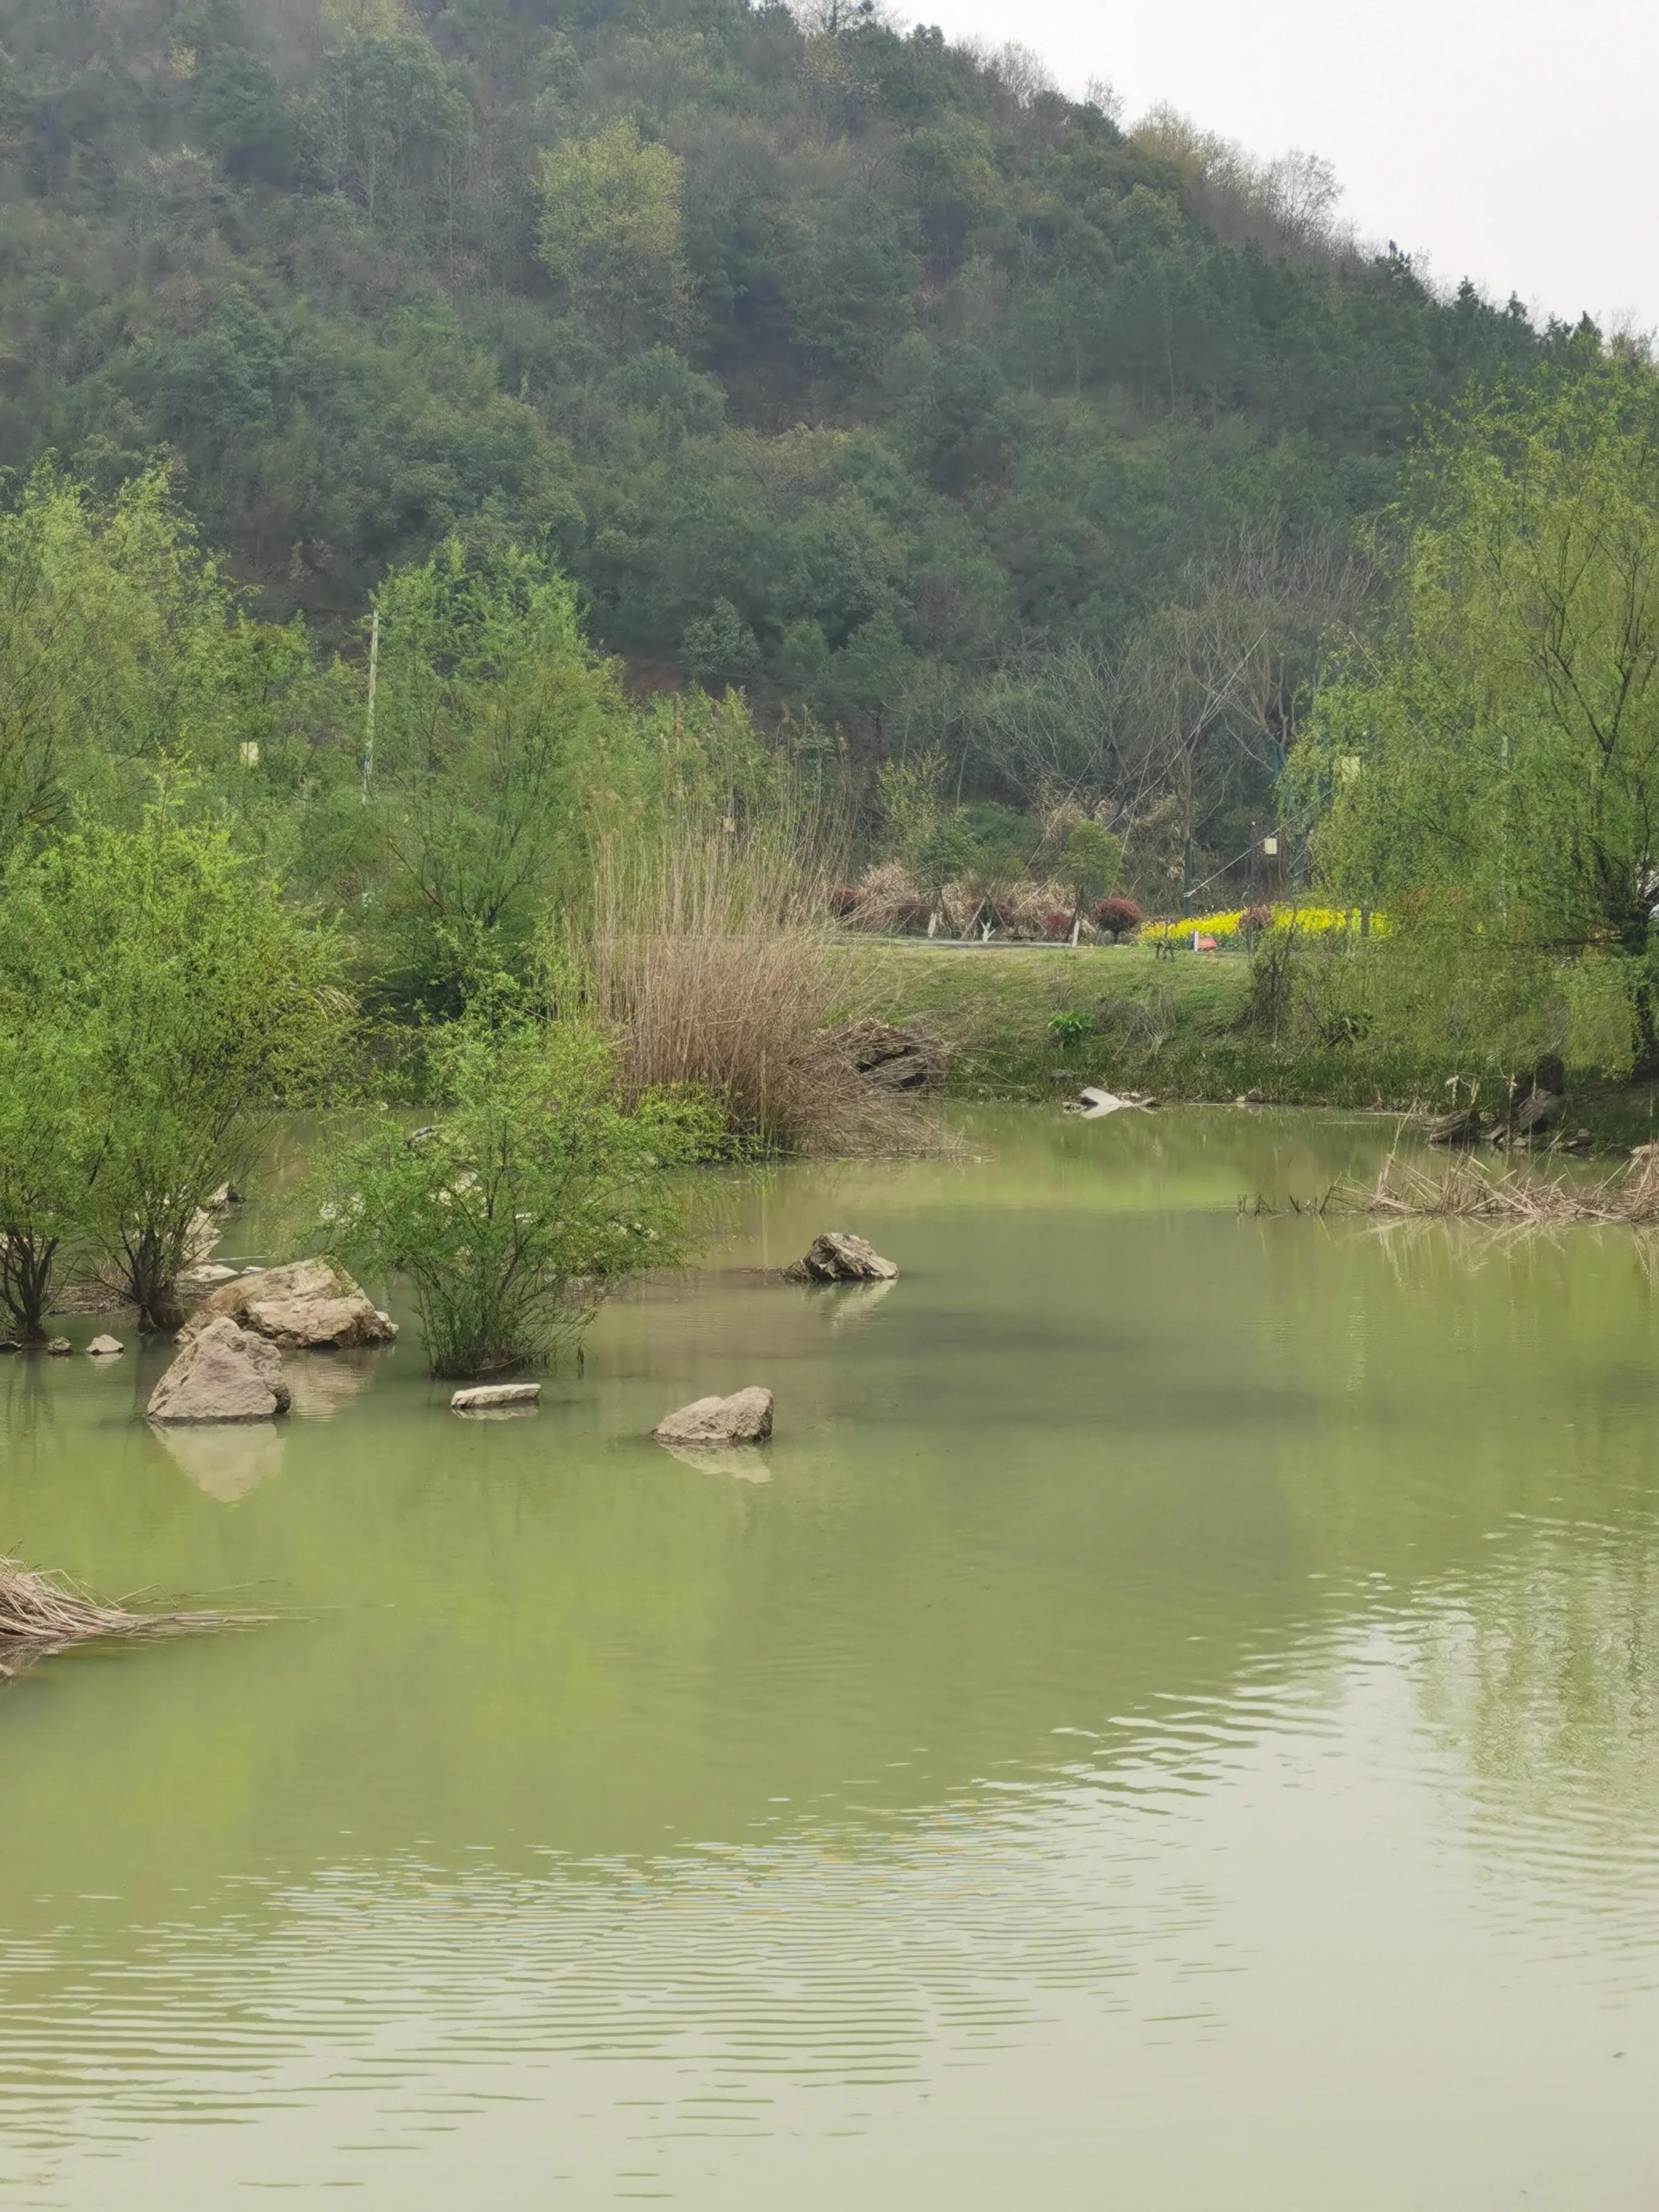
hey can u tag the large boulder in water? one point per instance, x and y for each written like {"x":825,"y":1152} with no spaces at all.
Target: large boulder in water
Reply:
{"x":743,"y":1419}
{"x":223,"y":1373}
{"x":838,"y":1257}
{"x":311,"y":1306}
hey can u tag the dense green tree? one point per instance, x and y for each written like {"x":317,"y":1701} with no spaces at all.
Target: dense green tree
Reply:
{"x":496,"y":727}
{"x":201,"y":1002}
{"x":612,"y":232}
{"x":1493,"y":759}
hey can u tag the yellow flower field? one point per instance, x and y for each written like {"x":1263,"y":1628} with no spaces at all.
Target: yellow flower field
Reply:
{"x":1313,"y":920}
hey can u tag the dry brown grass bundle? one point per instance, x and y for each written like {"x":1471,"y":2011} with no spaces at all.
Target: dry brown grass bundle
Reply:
{"x":1466,"y":1189}
{"x":1024,"y":910}
{"x":890,"y":902}
{"x":41,"y":1613}
{"x":714,"y":962}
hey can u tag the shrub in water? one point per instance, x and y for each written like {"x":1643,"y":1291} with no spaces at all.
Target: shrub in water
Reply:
{"x":531,"y":1196}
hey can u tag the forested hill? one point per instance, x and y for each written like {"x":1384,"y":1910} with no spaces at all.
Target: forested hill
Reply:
{"x":840,"y":363}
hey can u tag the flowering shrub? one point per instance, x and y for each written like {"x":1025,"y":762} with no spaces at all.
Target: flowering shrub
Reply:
{"x":1055,"y":926}
{"x":1116,"y":917}
{"x":1310,"y":920}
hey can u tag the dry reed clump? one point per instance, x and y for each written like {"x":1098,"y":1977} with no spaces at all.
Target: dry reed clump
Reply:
{"x":42,"y":1614}
{"x":890,"y":902}
{"x":715,"y":964}
{"x":1465,"y":1189}
{"x":1027,"y":910}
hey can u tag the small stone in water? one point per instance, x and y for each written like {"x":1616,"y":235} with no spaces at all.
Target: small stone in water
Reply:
{"x":104,"y":1347}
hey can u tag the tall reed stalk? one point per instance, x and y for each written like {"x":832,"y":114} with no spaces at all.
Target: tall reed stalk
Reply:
{"x":715,"y":964}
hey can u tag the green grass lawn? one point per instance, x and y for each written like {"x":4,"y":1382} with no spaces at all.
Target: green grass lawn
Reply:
{"x":1172,"y":1026}
{"x":993,"y":1003}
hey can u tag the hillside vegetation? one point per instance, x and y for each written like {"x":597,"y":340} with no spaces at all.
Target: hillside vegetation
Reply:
{"x":853,"y":367}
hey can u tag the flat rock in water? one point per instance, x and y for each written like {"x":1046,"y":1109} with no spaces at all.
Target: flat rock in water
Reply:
{"x":223,"y":1373}
{"x":838,"y":1257}
{"x":104,"y":1347}
{"x":310,"y":1306}
{"x":745,"y":1418}
{"x":58,"y":1347}
{"x":486,"y":1397}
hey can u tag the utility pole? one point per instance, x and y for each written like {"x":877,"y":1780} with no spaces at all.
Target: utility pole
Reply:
{"x":374,"y":677}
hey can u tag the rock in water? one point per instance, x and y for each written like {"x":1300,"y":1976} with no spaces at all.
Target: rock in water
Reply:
{"x":743,"y":1418}
{"x":835,"y":1257}
{"x":223,"y":1373}
{"x":310,"y":1306}
{"x":486,"y":1396}
{"x":104,"y":1347}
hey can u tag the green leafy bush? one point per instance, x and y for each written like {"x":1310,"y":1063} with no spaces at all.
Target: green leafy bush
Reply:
{"x":531,"y":1195}
{"x":194,"y":1002}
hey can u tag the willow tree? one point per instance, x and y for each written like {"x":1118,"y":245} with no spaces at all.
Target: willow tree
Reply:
{"x":1492,"y":762}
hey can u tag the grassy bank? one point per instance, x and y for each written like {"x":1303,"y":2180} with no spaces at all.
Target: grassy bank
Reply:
{"x":1177,"y":1027}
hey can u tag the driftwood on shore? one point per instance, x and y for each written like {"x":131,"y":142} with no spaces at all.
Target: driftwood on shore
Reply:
{"x":43,"y":1614}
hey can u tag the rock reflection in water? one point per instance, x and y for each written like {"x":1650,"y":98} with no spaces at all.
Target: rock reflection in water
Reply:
{"x":323,"y":1383}
{"x":226,"y":1460}
{"x":845,"y":1307}
{"x":743,"y":1462}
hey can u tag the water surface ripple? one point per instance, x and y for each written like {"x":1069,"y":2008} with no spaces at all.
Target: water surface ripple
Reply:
{"x":1173,"y":1719}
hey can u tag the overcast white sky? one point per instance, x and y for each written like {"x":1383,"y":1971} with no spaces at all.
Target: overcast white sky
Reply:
{"x":1513,"y":141}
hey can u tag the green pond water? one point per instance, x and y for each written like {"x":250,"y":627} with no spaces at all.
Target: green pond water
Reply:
{"x":1172,"y":1722}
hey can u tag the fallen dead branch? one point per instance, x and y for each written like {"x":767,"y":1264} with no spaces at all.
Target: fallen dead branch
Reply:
{"x":42,"y":1614}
